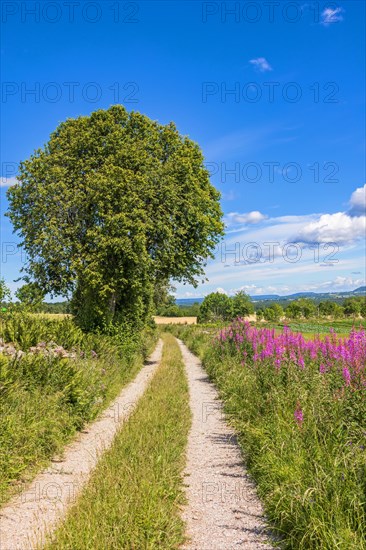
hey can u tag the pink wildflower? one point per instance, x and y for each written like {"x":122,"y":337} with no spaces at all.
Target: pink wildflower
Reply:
{"x":299,"y":415}
{"x":346,"y":376}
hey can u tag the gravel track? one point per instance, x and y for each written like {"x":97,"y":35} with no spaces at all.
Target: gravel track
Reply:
{"x":223,"y":511}
{"x":28,"y":517}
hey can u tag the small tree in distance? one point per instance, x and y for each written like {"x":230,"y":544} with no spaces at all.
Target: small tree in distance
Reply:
{"x":220,"y":307}
{"x":241,"y":305}
{"x":215,"y":307}
{"x":30,"y":296}
{"x":4,"y":292}
{"x":273,"y":313}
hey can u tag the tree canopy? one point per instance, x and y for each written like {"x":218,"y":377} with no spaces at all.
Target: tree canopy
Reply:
{"x":112,"y":206}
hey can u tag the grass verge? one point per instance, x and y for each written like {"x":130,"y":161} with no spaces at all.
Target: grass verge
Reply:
{"x":47,"y":398}
{"x":133,"y":498}
{"x":303,"y":435}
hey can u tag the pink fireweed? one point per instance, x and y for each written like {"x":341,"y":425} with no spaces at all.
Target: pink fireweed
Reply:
{"x":346,"y":376}
{"x":347,"y":356}
{"x":299,"y":415}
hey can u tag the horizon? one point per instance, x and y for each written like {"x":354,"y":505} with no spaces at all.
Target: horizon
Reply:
{"x":250,"y":295}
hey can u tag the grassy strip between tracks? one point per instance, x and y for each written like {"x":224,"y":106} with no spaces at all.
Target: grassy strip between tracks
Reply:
{"x":134,"y":496}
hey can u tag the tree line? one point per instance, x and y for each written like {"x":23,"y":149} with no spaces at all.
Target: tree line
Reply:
{"x":220,"y":307}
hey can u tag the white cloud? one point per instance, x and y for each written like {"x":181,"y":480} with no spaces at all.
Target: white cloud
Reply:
{"x":340,"y":284}
{"x":248,"y":218}
{"x":338,"y":228}
{"x":330,"y":16}
{"x":358,"y":202}
{"x":7,"y":182}
{"x":261,"y":64}
{"x":343,"y":228}
{"x":229,"y":196}
{"x":220,"y":290}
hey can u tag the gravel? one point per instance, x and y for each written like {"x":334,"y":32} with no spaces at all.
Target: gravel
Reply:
{"x":223,"y":511}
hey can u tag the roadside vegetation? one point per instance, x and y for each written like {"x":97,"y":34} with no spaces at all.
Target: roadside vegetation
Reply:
{"x":134,"y":496}
{"x":299,"y":408}
{"x":53,"y":380}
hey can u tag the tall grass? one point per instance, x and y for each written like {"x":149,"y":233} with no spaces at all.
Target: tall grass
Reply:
{"x":301,"y":425}
{"x":45,"y":399}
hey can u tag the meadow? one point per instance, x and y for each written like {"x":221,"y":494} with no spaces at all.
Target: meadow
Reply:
{"x":299,"y":407}
{"x":311,"y":328}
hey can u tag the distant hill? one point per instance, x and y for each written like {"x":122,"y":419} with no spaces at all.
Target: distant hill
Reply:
{"x":318,"y":296}
{"x":360,"y":289}
{"x":188,"y":301}
{"x":301,"y":295}
{"x":266,"y":297}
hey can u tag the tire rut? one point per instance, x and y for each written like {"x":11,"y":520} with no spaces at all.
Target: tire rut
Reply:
{"x":27,"y":519}
{"x":223,"y":510}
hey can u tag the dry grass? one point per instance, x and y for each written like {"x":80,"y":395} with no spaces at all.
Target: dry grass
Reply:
{"x":52,"y":315}
{"x":175,"y":320}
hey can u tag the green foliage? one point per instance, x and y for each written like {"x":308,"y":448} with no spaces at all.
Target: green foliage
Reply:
{"x":363,"y":308}
{"x":260,"y":314}
{"x":215,"y":307}
{"x":26,"y":330}
{"x":170,"y":308}
{"x":241,"y":305}
{"x":4,"y":291}
{"x":190,"y":311}
{"x":303,"y":307}
{"x":55,"y":307}
{"x":171,"y":311}
{"x":354,"y":306}
{"x":273,"y":313}
{"x":163,"y":299}
{"x":112,"y":205}
{"x":30,"y":295}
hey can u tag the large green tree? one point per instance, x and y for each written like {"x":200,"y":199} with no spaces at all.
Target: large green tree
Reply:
{"x":112,"y":206}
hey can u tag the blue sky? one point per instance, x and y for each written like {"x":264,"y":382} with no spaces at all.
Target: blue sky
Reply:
{"x":273,"y":94}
